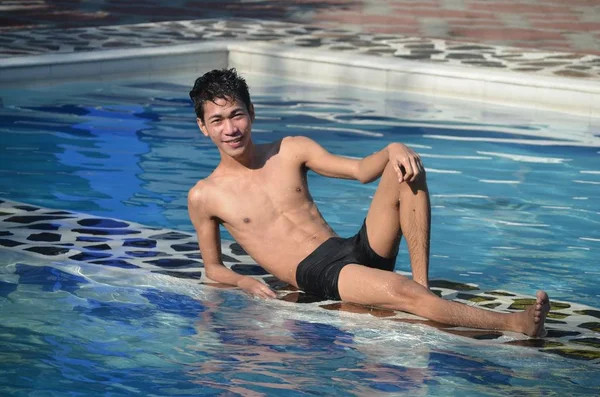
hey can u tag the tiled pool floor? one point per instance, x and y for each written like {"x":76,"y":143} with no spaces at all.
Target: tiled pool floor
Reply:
{"x":64,"y":236}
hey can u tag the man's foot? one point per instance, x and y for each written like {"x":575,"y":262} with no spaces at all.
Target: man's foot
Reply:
{"x":534,"y":317}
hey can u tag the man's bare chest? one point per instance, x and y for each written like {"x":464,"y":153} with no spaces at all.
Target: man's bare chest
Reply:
{"x":261,"y":197}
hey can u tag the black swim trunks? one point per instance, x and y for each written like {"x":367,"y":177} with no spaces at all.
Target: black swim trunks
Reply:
{"x":319,"y":272}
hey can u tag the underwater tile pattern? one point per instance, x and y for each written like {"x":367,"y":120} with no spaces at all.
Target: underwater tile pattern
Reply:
{"x":51,"y":41}
{"x":58,"y":235}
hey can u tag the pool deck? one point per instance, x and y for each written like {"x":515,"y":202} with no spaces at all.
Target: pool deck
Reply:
{"x":548,"y":25}
{"x":534,"y":36}
{"x":561,"y":75}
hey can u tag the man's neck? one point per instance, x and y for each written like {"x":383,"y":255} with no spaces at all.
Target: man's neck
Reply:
{"x":248,"y":161}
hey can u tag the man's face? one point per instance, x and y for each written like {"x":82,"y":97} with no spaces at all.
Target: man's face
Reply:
{"x":228,"y":124}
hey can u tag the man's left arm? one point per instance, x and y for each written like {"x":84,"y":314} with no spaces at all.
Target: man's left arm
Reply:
{"x":406,"y":162}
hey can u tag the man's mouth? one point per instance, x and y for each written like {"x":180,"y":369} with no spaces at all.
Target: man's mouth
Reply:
{"x":234,"y":142}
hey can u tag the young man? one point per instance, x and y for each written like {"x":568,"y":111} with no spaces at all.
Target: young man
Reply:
{"x":260,"y":194}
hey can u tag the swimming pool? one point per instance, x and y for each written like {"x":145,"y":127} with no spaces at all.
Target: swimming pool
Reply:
{"x":515,"y":207}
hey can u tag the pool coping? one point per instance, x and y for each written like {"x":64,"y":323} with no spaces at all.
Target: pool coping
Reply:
{"x":541,"y":92}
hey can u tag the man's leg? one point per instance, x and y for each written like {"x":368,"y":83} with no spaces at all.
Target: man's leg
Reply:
{"x":397,"y":209}
{"x":374,"y":287}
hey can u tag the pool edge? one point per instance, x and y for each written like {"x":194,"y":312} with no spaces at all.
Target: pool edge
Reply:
{"x":562,"y":94}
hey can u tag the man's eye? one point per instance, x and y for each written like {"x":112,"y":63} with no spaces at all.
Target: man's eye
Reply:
{"x":215,"y":121}
{"x":237,"y":116}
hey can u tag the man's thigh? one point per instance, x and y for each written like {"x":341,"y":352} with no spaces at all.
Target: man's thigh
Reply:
{"x":367,"y":286}
{"x":383,"y":218}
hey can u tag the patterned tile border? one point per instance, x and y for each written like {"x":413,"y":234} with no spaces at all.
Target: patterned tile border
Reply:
{"x":68,"y":237}
{"x":49,"y":41}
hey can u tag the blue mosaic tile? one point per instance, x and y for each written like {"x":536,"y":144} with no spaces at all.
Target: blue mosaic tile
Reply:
{"x":43,"y":226}
{"x":99,"y":247}
{"x":92,"y":239}
{"x":34,"y":218}
{"x":87,"y":256}
{"x":170,"y":236}
{"x":48,"y":237}
{"x":102,"y":222}
{"x":175,"y":262}
{"x":116,"y":263}
{"x":145,"y":254}
{"x":139,"y":243}
{"x":50,"y":278}
{"x":105,"y":232}
{"x":184,"y":275}
{"x":7,"y":288}
{"x":170,"y":302}
{"x":27,"y":208}
{"x":49,"y":251}
{"x":186,"y":247}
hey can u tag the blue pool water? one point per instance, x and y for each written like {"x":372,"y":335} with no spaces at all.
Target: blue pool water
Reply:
{"x":515,"y":206}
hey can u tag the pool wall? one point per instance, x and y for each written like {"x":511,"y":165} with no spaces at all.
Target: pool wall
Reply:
{"x":568,"y":95}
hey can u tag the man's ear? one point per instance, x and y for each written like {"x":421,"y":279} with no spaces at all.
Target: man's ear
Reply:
{"x":201,"y":126}
{"x":251,"y":112}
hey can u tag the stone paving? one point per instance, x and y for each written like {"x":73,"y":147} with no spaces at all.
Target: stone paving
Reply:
{"x":549,"y":25}
{"x":44,"y":41}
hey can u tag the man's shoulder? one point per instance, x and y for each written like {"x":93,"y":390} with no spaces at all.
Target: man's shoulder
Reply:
{"x":200,"y":191}
{"x":297,"y":144}
{"x":297,"y":140}
{"x":203,"y":190}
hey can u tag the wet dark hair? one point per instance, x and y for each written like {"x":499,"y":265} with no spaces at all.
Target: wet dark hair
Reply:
{"x":219,"y":84}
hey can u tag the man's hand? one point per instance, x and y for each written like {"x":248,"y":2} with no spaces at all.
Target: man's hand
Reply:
{"x":406,"y":162}
{"x":256,"y":288}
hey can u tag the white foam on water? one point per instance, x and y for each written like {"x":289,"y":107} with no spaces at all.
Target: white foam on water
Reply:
{"x":417,"y":146}
{"x":506,"y":182}
{"x":586,"y":182}
{"x":510,"y":223}
{"x":527,"y":159}
{"x":450,"y":156}
{"x":536,"y":142}
{"x":590,"y":239}
{"x":590,"y":172}
{"x":336,"y":129}
{"x":438,"y":171}
{"x":460,"y":196}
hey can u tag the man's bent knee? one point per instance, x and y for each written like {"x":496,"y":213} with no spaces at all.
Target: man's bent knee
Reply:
{"x":405,"y":294}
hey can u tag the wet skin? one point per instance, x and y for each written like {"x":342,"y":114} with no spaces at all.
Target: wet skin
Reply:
{"x":259,"y":193}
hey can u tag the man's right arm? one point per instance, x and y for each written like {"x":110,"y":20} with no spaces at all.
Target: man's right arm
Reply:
{"x":209,"y":240}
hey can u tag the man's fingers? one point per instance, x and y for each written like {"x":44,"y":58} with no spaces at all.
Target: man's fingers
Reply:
{"x":421,"y":166}
{"x":266,"y":293}
{"x":408,"y":168}
{"x":398,"y":170}
{"x":415,"y":166}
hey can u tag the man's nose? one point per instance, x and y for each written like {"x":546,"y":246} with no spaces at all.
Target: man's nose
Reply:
{"x":229,"y":127}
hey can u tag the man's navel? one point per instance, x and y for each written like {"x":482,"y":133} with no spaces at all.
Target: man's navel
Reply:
{"x":246,"y":220}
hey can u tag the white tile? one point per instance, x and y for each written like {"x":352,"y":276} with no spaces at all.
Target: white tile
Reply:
{"x":362,"y":77}
{"x":242,"y":61}
{"x":595,"y":105}
{"x":413,"y":82}
{"x":472,"y":89}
